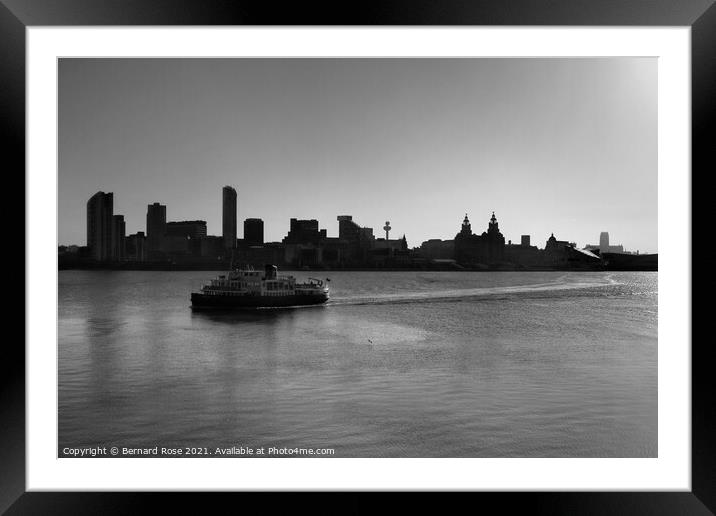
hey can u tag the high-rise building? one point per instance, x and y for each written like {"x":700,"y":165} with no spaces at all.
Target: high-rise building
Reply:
{"x":603,"y":242}
{"x":99,"y":225}
{"x":253,"y":232}
{"x":525,"y":241}
{"x":193,"y":229}
{"x":135,"y":246}
{"x":228,"y":221}
{"x":156,"y":227}
{"x":304,"y":231}
{"x":118,"y":240}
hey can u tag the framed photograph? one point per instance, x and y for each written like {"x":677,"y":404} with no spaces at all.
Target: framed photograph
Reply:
{"x":402,"y":250}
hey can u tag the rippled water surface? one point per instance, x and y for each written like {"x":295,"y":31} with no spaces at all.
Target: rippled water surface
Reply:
{"x":397,"y":364}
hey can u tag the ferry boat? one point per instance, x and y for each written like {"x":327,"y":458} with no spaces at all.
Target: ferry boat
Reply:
{"x":249,"y":288}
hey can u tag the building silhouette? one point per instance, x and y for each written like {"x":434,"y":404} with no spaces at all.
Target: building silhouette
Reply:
{"x":253,"y":232}
{"x":565,"y":254}
{"x":136,"y":247}
{"x":156,"y":228}
{"x":306,"y":245}
{"x":523,"y":254}
{"x":212,"y":248}
{"x":604,"y":247}
{"x":228,"y":219}
{"x":357,"y":240}
{"x":487,"y":248}
{"x":553,"y":244}
{"x":384,"y":252}
{"x":193,"y":229}
{"x":304,"y":242}
{"x":184,"y":237}
{"x":437,"y":249}
{"x":99,"y":226}
{"x":304,"y":232}
{"x":118,"y":253}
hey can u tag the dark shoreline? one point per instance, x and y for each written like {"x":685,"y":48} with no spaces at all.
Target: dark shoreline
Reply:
{"x":214,"y":268}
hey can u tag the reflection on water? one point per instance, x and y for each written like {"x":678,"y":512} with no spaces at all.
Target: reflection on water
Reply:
{"x":229,"y":316}
{"x":397,"y":364}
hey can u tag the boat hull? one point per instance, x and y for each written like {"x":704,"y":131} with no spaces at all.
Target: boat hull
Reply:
{"x":199,"y":300}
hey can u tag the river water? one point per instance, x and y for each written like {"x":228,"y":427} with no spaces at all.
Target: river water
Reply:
{"x":397,"y":364}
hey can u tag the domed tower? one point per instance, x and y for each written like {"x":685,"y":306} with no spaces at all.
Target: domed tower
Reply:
{"x":464,"y":243}
{"x":495,"y":241}
{"x":493,"y":227}
{"x":551,"y":243}
{"x":466,"y":229}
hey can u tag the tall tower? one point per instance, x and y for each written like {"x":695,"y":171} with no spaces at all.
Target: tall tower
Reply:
{"x":156,"y":226}
{"x":228,"y":220}
{"x":387,"y":229}
{"x":493,"y":227}
{"x":466,"y":229}
{"x":603,"y":242}
{"x":99,"y":225}
{"x":118,"y":236}
{"x":253,"y":232}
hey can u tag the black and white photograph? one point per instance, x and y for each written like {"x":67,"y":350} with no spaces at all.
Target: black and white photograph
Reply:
{"x":381,"y":247}
{"x":357,"y":257}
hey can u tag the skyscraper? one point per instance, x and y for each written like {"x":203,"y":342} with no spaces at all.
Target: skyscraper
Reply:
{"x":156,"y":226}
{"x":136,"y":250}
{"x":253,"y":232}
{"x":194,"y":229}
{"x":99,"y":225}
{"x":229,"y":217}
{"x":118,"y":238}
{"x":603,"y":242}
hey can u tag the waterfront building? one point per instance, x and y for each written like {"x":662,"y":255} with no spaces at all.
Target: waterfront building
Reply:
{"x":156,"y":228}
{"x":193,"y":229}
{"x":184,"y":237}
{"x":212,"y":247}
{"x":260,"y":255}
{"x":99,"y":226}
{"x":303,"y":245}
{"x":553,"y":244}
{"x":357,"y":240}
{"x":304,"y":232}
{"x":437,"y":249}
{"x":173,"y":245}
{"x":253,"y":232}
{"x":228,"y":219}
{"x":485,"y":249}
{"x":565,"y":254}
{"x":604,"y":246}
{"x":523,"y":254}
{"x":136,"y":247}
{"x":118,"y":238}
{"x":388,"y":252}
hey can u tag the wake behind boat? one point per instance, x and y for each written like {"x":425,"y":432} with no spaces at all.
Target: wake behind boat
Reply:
{"x":249,"y":288}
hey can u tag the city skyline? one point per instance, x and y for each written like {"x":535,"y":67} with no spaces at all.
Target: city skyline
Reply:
{"x":563,"y":146}
{"x":165,"y":222}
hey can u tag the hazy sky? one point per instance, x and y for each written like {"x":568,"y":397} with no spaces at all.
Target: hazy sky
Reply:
{"x":551,"y":145}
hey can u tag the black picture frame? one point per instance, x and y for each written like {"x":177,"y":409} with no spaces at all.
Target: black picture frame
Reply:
{"x":700,"y":15}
